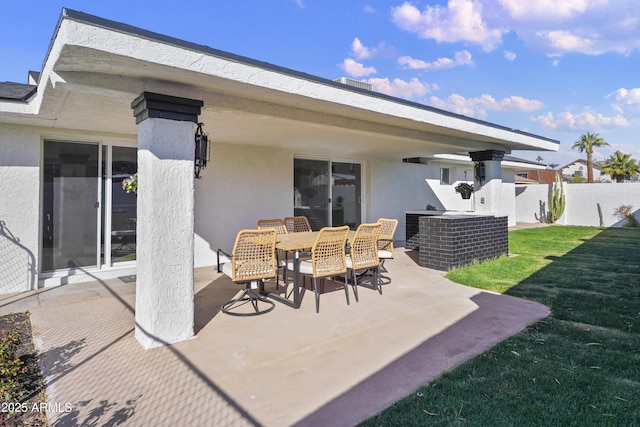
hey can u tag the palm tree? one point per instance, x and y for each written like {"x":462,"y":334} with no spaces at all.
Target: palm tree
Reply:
{"x":553,"y":165}
{"x":586,"y":144}
{"x":620,"y":166}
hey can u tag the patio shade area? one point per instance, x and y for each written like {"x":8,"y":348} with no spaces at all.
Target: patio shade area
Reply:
{"x":288,"y":367}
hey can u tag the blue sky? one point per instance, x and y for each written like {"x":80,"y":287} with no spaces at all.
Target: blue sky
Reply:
{"x":557,"y":68}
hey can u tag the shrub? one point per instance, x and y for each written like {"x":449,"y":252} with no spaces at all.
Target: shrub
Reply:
{"x":577,"y":179}
{"x":626,"y":212}
{"x":10,"y":364}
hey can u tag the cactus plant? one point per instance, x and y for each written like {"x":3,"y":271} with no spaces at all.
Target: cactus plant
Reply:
{"x":556,"y":201}
{"x":600,"y":216}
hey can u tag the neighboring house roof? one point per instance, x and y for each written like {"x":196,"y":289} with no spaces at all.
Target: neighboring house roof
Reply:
{"x":522,"y":180}
{"x":95,"y":67}
{"x":16,"y":91}
{"x":582,"y":162}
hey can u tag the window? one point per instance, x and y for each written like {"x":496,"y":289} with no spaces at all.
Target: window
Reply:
{"x":445,"y":176}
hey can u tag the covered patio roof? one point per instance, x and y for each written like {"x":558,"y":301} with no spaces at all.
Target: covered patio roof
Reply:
{"x":95,"y":68}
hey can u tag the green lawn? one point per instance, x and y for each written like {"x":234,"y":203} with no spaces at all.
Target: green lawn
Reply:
{"x":578,"y":367}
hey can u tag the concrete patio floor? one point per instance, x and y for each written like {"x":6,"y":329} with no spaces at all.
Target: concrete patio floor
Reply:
{"x":287,"y":367}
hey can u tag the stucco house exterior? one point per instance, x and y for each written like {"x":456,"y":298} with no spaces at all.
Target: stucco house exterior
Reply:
{"x":112,"y":99}
{"x":579,"y":168}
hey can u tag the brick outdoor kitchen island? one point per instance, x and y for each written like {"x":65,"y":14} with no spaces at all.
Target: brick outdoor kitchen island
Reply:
{"x":454,"y":240}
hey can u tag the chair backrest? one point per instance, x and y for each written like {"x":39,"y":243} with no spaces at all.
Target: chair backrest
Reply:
{"x":388,"y":229}
{"x":297,"y":224}
{"x":276,"y":223}
{"x":364,"y":246}
{"x":328,"y":254}
{"x":253,"y":256}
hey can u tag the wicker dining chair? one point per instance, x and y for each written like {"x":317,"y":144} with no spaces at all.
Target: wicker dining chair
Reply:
{"x":276,"y":223}
{"x":328,"y":259}
{"x":297,"y":224}
{"x":385,"y":244}
{"x":251,"y":262}
{"x":363,"y":255}
{"x":281,"y":228}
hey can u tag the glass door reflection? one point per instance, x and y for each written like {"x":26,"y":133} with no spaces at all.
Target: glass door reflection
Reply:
{"x":124,"y":211}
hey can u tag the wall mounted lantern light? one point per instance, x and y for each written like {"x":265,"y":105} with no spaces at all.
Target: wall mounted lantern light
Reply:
{"x":479,"y":172}
{"x":202,"y":150}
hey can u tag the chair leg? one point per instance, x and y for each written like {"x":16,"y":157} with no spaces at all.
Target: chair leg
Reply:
{"x":346,"y":288}
{"x":354,"y":284}
{"x":277,"y":274}
{"x":315,"y":291}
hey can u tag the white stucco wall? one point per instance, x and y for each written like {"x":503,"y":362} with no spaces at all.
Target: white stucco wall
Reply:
{"x":241,"y":185}
{"x":583,"y":199}
{"x":413,"y":186}
{"x":395,"y":187}
{"x":19,"y":207}
{"x":444,"y":196}
{"x":581,"y":202}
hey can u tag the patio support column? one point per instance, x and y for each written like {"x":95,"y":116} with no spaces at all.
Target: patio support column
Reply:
{"x":487,"y":181}
{"x":165,"y":224}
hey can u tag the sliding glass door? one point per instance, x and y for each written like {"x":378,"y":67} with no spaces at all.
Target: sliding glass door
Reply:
{"x":70,"y":206}
{"x":328,"y":193}
{"x":88,"y":220}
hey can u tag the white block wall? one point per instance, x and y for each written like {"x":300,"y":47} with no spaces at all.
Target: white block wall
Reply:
{"x":582,"y":202}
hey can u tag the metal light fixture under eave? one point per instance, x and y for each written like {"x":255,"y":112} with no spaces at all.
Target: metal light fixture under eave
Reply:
{"x":202,"y":150}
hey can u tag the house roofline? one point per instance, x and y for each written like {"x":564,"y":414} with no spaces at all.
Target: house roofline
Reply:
{"x":157,"y":37}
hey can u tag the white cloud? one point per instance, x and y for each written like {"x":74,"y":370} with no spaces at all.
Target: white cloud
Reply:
{"x":369,"y":9}
{"x":589,"y":27}
{"x":510,"y":56}
{"x":360,"y":51}
{"x":300,"y":3}
{"x":626,"y":102}
{"x":555,"y":63}
{"x":356,"y":69}
{"x":547,"y":9}
{"x":459,"y":21}
{"x":460,"y":58}
{"x":565,"y":41}
{"x":581,"y":122}
{"x":553,"y":27}
{"x":478,"y":107}
{"x":412,"y":89}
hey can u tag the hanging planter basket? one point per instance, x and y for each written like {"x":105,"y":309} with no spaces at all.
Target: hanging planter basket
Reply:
{"x":465,"y":190}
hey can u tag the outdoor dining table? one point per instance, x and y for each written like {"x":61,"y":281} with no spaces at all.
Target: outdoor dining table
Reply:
{"x":296,"y":242}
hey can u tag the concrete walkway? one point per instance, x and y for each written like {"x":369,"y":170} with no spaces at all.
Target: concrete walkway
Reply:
{"x":288,"y":367}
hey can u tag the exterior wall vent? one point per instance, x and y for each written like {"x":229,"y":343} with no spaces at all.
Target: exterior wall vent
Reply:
{"x":355,"y":83}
